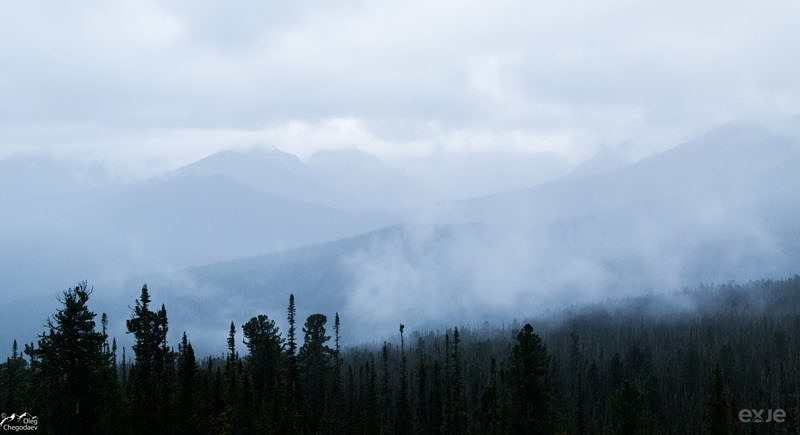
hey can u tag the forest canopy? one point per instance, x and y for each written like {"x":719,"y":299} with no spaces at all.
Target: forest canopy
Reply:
{"x":621,"y":367}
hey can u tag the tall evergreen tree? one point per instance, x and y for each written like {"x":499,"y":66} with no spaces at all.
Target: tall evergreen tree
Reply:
{"x":67,"y":363}
{"x":263,"y":341}
{"x":336,"y":403}
{"x":403,"y":420}
{"x":150,"y":334}
{"x":13,"y":380}
{"x":293,"y":391}
{"x":314,"y":359}
{"x":186,"y":402}
{"x":231,"y":363}
{"x":529,"y":384}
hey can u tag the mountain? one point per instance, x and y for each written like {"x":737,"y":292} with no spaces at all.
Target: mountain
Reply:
{"x":175,"y":222}
{"x":270,"y":171}
{"x":211,"y":218}
{"x":145,"y":229}
{"x":366,"y":182}
{"x":607,"y":159}
{"x":720,"y":207}
{"x":724,"y":165}
{"x":349,"y":180}
{"x":321,"y":276}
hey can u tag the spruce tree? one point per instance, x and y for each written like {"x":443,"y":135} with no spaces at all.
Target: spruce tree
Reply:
{"x":13,"y":380}
{"x":529,"y":384}
{"x":150,"y":334}
{"x":67,"y":363}
{"x":185,"y":399}
{"x":403,"y":420}
{"x":263,"y":342}
{"x":314,"y":359}
{"x":336,"y":403}
{"x":231,"y":378}
{"x":293,"y":391}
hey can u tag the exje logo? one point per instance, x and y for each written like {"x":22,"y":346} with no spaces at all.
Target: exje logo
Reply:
{"x":762,"y":415}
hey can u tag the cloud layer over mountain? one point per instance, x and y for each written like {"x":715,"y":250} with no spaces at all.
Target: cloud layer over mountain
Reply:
{"x":132,"y":81}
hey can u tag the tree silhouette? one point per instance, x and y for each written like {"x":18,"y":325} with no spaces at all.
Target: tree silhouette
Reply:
{"x":314,"y":359}
{"x":529,"y":384}
{"x":66,"y":366}
{"x":149,"y":329}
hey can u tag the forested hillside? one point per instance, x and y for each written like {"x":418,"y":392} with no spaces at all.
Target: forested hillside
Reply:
{"x":682,"y":363}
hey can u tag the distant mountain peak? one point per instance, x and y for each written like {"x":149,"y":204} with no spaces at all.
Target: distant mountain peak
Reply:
{"x":249,"y":157}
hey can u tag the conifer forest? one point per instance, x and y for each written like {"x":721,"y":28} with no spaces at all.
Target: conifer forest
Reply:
{"x":615,"y":368}
{"x":417,"y":217}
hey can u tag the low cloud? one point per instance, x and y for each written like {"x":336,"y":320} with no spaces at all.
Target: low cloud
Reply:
{"x":116,"y":79}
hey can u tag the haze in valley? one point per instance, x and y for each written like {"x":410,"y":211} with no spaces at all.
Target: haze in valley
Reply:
{"x":424,"y":162}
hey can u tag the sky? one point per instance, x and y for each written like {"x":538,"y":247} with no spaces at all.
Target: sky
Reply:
{"x":168,"y":82}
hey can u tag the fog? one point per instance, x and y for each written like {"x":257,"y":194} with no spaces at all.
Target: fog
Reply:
{"x":425,"y":162}
{"x":231,"y":235}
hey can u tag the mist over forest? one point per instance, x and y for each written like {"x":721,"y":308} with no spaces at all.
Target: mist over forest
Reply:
{"x":233,"y":233}
{"x":427,"y":217}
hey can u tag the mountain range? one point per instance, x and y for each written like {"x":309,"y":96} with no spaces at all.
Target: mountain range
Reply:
{"x":345,"y":232}
{"x":720,"y":207}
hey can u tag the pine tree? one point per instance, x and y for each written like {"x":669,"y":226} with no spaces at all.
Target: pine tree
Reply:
{"x":13,"y":379}
{"x":231,"y":344}
{"x":231,"y":379}
{"x":150,"y":333}
{"x":67,"y":363}
{"x":403,"y":420}
{"x":112,"y":413}
{"x":336,"y":402}
{"x":293,"y":391}
{"x":186,"y":402}
{"x":529,"y":384}
{"x":314,"y":359}
{"x":263,"y":341}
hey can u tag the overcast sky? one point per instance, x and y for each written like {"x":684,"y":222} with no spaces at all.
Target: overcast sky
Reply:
{"x":175,"y":80}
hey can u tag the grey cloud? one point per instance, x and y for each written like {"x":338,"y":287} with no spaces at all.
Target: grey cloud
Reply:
{"x":592,"y":73}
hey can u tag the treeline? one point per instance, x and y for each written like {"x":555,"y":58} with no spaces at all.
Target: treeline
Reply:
{"x":599,"y":371}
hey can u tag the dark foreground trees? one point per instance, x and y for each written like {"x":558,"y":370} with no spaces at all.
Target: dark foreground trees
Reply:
{"x":69,"y":370}
{"x":604,"y":370}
